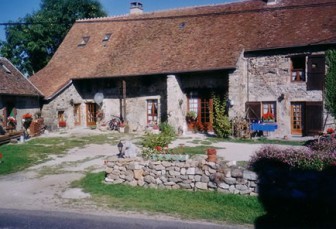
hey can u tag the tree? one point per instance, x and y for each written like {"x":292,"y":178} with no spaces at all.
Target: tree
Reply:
{"x":330,"y":84}
{"x":32,"y":41}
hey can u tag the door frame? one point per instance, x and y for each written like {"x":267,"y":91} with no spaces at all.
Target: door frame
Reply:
{"x":91,"y":111}
{"x":77,"y":114}
{"x":297,"y":121}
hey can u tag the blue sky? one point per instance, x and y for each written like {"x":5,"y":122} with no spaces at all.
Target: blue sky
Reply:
{"x":11,"y":10}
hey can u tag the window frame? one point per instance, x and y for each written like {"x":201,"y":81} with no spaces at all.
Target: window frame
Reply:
{"x":152,"y":116}
{"x":296,"y":68}
{"x":256,"y":109}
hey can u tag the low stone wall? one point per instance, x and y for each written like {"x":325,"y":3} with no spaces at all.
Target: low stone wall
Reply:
{"x":193,"y":174}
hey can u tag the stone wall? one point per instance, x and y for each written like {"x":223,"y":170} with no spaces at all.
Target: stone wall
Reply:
{"x":193,"y":174}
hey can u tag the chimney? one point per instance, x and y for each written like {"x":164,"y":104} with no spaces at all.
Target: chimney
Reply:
{"x":136,"y":8}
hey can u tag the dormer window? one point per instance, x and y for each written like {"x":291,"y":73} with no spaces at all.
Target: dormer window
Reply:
{"x":5,"y":68}
{"x":84,"y":41}
{"x":107,"y":37}
{"x":271,"y":2}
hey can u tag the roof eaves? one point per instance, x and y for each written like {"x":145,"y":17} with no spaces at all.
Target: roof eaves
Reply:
{"x":290,"y":47}
{"x":159,"y":73}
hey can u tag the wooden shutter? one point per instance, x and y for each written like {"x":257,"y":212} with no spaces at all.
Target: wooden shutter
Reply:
{"x":252,"y":110}
{"x":4,"y":112}
{"x":314,"y":118}
{"x":316,"y":72}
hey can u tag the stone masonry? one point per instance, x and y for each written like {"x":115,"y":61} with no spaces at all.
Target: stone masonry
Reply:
{"x":193,"y":175}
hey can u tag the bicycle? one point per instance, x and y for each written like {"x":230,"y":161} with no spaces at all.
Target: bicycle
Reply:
{"x":114,"y":123}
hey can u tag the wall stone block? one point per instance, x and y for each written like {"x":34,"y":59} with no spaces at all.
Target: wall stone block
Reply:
{"x":181,"y":175}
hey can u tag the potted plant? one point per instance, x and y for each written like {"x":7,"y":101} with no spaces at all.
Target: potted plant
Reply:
{"x":156,"y":128}
{"x":191,"y":116}
{"x":122,"y":126}
{"x":27,"y":120}
{"x":212,"y":154}
{"x":62,"y":123}
{"x":11,"y":122}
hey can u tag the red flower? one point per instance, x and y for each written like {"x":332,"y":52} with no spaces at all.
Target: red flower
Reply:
{"x":158,"y":148}
{"x":62,"y":123}
{"x":268,"y":116}
{"x":0,"y":155}
{"x":330,"y":130}
{"x":27,"y":116}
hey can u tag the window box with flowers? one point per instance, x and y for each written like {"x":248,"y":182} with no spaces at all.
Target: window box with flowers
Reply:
{"x":268,"y":117}
{"x":11,"y":123}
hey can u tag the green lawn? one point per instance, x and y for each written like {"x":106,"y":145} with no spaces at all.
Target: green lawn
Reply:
{"x":211,"y":206}
{"x":17,"y":157}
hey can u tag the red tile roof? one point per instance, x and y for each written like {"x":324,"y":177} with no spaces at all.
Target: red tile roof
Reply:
{"x":189,"y":39}
{"x":12,"y":82}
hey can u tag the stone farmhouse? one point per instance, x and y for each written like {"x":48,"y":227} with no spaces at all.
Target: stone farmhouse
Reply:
{"x":18,"y":95}
{"x":263,"y":56}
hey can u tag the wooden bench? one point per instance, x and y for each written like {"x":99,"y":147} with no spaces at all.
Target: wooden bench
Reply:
{"x":4,"y":139}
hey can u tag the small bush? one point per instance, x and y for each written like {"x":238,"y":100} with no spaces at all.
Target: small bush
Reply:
{"x":167,"y":129}
{"x":155,"y":143}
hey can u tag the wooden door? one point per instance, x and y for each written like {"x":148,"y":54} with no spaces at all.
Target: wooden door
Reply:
{"x":91,"y":114}
{"x":297,"y":118}
{"x":314,"y":118}
{"x":77,"y":115}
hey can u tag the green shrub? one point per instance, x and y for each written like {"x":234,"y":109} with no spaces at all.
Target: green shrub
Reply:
{"x":155,"y":143}
{"x":167,"y":129}
{"x":221,"y":122}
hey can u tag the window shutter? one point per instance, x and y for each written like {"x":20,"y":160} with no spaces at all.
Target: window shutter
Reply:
{"x":316,"y":72}
{"x":252,"y":110}
{"x":314,"y":118}
{"x":4,"y":112}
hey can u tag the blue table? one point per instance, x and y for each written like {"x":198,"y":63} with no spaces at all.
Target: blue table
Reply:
{"x":264,"y":126}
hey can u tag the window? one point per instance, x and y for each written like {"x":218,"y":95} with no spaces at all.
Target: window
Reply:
{"x":84,"y":41}
{"x":152,"y":111}
{"x":256,"y":111}
{"x":193,"y":102}
{"x":268,"y":110}
{"x":107,"y":37}
{"x":298,"y":70}
{"x":5,"y":68}
{"x":270,"y":2}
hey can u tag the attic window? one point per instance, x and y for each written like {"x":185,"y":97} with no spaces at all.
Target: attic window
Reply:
{"x":271,"y":2}
{"x":182,"y":25}
{"x":107,"y":37}
{"x":84,"y":41}
{"x":6,"y":69}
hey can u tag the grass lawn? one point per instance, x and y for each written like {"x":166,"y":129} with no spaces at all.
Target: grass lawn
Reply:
{"x":17,"y":157}
{"x":211,"y":206}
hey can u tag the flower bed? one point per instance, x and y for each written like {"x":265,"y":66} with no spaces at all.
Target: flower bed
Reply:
{"x":297,"y":185}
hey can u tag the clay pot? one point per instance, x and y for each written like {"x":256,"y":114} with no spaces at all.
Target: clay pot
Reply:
{"x":212,"y":155}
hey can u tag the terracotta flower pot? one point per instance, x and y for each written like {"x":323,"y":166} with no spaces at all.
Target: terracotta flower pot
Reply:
{"x":211,"y":151}
{"x":212,"y":155}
